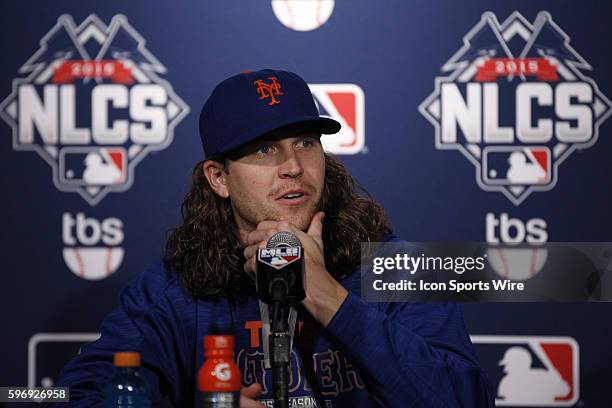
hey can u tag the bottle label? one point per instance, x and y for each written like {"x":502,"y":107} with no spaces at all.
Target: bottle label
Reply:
{"x":221,"y":399}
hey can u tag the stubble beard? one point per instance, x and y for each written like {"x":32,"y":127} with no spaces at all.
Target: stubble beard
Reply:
{"x":250,"y":215}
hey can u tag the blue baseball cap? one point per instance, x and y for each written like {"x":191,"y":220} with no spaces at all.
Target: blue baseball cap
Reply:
{"x":249,"y":105}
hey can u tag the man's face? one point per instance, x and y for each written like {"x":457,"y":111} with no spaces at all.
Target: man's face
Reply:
{"x":279,"y":177}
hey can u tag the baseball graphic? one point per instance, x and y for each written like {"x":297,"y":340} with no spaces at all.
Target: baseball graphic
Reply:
{"x":93,"y":263}
{"x":303,"y":15}
{"x":518,"y":264}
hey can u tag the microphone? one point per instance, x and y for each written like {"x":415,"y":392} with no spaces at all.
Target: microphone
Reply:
{"x":280,"y":283}
{"x":279,"y":275}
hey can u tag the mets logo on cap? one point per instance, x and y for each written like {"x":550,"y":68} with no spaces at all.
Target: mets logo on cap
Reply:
{"x":531,"y":371}
{"x":93,"y":105}
{"x":269,"y":90}
{"x":516,"y":103}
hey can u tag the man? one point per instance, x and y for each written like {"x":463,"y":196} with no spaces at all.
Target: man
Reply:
{"x":266,"y":171}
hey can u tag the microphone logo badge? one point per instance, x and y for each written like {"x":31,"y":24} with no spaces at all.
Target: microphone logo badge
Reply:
{"x":516,"y":103}
{"x":266,"y":90}
{"x":93,"y":104}
{"x":279,"y":257}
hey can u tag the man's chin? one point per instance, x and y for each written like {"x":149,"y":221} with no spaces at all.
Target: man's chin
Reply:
{"x":299,"y":220}
{"x":298,"y":217}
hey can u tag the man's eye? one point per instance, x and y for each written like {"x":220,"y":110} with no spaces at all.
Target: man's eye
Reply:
{"x":264,"y":149}
{"x":306,"y":143}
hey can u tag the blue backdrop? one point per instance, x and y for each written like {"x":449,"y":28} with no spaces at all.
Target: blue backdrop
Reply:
{"x":99,"y":137}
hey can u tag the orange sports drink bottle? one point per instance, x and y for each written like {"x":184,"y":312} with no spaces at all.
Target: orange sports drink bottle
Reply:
{"x":219,"y":378}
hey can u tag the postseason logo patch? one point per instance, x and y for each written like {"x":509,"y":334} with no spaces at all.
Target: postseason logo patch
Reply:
{"x":93,"y":105}
{"x":516,"y":103}
{"x":531,"y":371}
{"x":280,"y":256}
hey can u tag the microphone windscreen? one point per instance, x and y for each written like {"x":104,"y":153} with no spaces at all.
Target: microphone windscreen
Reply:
{"x":283,"y":238}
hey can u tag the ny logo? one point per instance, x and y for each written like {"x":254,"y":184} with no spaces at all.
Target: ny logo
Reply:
{"x":266,"y":90}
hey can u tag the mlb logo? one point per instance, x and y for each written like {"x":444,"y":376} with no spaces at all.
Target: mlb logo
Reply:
{"x":93,"y":166}
{"x":516,"y":165}
{"x":279,"y":257}
{"x":49,"y":352}
{"x":533,"y":371}
{"x":346,"y":104}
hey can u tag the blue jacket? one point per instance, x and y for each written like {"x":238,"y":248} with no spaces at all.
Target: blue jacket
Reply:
{"x":371,"y":354}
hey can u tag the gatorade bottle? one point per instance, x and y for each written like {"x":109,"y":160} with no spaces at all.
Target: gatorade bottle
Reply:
{"x":219,"y":378}
{"x":127,"y":388}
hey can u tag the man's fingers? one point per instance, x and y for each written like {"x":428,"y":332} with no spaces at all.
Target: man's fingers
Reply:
{"x":316,"y":225}
{"x":252,"y":391}
{"x":249,"y":266}
{"x":249,"y":403}
{"x":251,"y":250}
{"x":265,"y":229}
{"x":248,"y":395}
{"x":250,"y":253}
{"x":260,"y":234}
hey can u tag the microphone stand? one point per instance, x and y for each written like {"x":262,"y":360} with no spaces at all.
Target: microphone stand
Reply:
{"x":281,"y":340}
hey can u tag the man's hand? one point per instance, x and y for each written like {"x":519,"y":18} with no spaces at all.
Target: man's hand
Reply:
{"x":248,"y":395}
{"x":324,"y":295}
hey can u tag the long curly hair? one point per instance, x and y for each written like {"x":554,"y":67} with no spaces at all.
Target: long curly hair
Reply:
{"x":207,"y":251}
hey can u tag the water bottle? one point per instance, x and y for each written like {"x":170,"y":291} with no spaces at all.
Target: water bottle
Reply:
{"x":219,"y":378}
{"x":127,"y":388}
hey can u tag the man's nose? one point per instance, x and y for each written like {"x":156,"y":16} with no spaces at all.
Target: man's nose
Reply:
{"x":291,"y":166}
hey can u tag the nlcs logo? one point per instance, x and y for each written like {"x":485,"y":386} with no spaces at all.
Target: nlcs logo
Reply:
{"x":92,"y":105}
{"x":516,"y":103}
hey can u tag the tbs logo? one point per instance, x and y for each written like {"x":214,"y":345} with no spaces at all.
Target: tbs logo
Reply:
{"x":92,"y":105}
{"x":279,"y":257}
{"x":91,"y":247}
{"x":516,"y":103}
{"x":516,"y":263}
{"x":531,"y":371}
{"x":346,"y":104}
